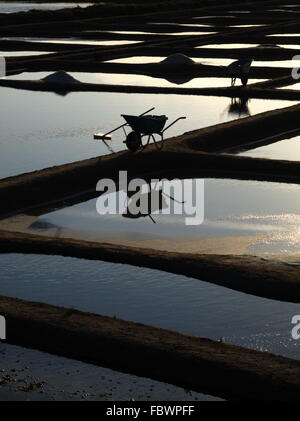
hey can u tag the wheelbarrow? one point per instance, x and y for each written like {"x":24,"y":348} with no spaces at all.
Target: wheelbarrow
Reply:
{"x":142,"y":126}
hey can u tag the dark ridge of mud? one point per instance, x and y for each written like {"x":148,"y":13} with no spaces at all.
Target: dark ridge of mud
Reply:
{"x":271,"y":279}
{"x":253,"y":91}
{"x":193,"y":363}
{"x":150,"y":69}
{"x":125,"y":12}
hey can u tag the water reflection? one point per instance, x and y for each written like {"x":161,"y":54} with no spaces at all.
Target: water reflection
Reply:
{"x":152,"y":297}
{"x":238,"y":107}
{"x":240,"y":217}
{"x":143,"y":204}
{"x":57,"y":129}
{"x":166,"y":80}
{"x":286,"y":149}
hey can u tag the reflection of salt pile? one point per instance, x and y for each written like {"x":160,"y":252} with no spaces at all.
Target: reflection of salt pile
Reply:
{"x":60,"y":80}
{"x":60,"y":77}
{"x":177,"y":60}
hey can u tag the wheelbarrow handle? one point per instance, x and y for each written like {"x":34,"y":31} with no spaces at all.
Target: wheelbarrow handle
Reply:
{"x":146,"y":112}
{"x":175,"y":121}
{"x":126,"y":124}
{"x":114,"y":130}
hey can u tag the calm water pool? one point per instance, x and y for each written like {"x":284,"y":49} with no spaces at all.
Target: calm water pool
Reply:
{"x":232,"y":208}
{"x":236,"y":45}
{"x":207,"y":61}
{"x":152,"y":297}
{"x":189,"y":33}
{"x":265,"y":214}
{"x":57,"y":129}
{"x":295,"y":86}
{"x":70,"y":41}
{"x":22,"y":53}
{"x":288,"y":149}
{"x":284,"y":35}
{"x":228,"y":46}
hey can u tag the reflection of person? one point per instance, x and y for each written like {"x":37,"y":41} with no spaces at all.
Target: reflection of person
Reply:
{"x":239,"y":107}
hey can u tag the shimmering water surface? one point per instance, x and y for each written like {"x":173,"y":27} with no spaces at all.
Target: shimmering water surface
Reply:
{"x":152,"y":297}
{"x":267,"y":212}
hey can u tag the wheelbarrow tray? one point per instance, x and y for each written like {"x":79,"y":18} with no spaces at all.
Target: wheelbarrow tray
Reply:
{"x":147,"y":124}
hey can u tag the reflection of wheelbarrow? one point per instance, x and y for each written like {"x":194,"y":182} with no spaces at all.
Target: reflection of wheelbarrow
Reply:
{"x":153,"y":200}
{"x":142,"y":126}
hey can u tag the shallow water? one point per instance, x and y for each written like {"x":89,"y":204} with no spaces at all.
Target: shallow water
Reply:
{"x":206,"y":61}
{"x":295,"y":86}
{"x":246,"y":26}
{"x":163,"y":33}
{"x":70,"y":41}
{"x":200,"y":25}
{"x":267,"y":212}
{"x":256,"y":63}
{"x":291,"y":46}
{"x":13,"y":7}
{"x":140,"y":59}
{"x":152,"y":297}
{"x":288,"y":149}
{"x":56,"y":129}
{"x":209,"y":61}
{"x":214,"y":16}
{"x":228,"y":46}
{"x":284,"y":35}
{"x":22,"y":53}
{"x":236,"y":45}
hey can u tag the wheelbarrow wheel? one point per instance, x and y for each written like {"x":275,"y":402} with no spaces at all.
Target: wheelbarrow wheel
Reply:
{"x":133,"y":141}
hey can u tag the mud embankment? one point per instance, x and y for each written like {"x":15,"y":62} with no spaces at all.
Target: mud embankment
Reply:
{"x":267,"y":278}
{"x":252,"y":91}
{"x":194,"y":363}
